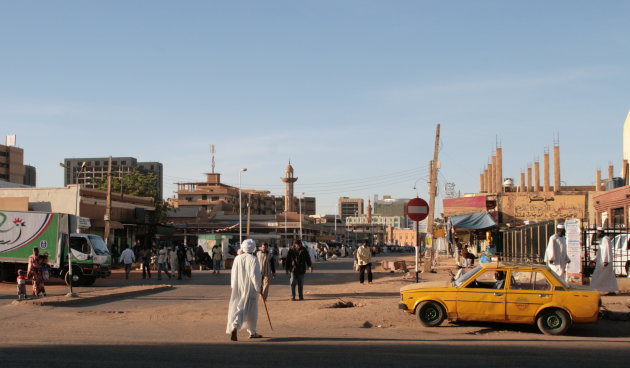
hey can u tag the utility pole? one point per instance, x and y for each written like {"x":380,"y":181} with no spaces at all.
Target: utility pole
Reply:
{"x":432,"y":193}
{"x":108,"y":203}
{"x":249,"y":212}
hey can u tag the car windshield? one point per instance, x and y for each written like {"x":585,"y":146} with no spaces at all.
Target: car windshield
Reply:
{"x":98,"y":245}
{"x":463,"y":278}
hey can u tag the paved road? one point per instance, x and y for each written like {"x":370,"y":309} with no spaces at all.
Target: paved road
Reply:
{"x":186,"y":327}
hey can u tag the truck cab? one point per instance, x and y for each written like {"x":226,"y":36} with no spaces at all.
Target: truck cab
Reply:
{"x":90,"y":258}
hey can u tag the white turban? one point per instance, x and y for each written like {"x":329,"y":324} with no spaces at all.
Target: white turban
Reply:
{"x":600,"y":229}
{"x":560,"y":226}
{"x":248,"y":246}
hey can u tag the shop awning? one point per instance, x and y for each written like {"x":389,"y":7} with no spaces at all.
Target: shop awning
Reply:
{"x":476,"y":221}
{"x":100,"y":224}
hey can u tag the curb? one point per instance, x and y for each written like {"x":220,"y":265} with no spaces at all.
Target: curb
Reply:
{"x":93,"y":297}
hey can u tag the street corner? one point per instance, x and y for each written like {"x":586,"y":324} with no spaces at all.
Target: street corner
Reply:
{"x":101,"y":296}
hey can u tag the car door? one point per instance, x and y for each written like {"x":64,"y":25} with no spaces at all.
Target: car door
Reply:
{"x":527,"y":291}
{"x":482,"y":298}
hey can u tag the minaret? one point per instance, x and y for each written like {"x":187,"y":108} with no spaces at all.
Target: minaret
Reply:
{"x":288,"y":188}
{"x":369,"y":212}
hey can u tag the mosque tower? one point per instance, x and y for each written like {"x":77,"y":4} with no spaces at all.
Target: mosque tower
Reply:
{"x":288,"y":188}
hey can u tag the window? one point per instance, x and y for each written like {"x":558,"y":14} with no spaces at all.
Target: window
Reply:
{"x":97,"y":163}
{"x":618,"y":218}
{"x":491,"y":279}
{"x":528,"y":280}
{"x":123,"y":162}
{"x":80,"y":245}
{"x":204,"y":197}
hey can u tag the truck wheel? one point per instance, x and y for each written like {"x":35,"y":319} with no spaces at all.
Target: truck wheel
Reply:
{"x":88,"y":280}
{"x":77,"y":278}
{"x":430,"y":314}
{"x":553,"y":322}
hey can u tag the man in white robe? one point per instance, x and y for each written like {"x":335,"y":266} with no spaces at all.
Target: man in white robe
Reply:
{"x":246,"y":282}
{"x":604,"y":279}
{"x":556,"y":255}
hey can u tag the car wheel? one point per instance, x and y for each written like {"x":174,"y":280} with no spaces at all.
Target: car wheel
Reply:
{"x":430,"y":314}
{"x":553,"y":322}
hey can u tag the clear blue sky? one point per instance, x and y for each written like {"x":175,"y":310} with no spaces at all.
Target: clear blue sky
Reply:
{"x":350,"y":91}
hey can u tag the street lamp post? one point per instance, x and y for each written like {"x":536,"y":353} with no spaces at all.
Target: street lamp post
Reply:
{"x":240,"y":206}
{"x":300,"y":206}
{"x":76,"y":215}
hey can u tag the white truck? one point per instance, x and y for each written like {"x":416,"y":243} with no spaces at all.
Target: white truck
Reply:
{"x":20,"y":232}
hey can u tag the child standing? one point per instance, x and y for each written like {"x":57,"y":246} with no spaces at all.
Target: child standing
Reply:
{"x":21,"y":284}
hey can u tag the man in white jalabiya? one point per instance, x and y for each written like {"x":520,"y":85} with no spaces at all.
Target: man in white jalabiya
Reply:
{"x":246,"y":283}
{"x":556,"y":254}
{"x":604,"y":276}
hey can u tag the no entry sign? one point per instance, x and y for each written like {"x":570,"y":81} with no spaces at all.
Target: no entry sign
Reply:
{"x":417,"y":209}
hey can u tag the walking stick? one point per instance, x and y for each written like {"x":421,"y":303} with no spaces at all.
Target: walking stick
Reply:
{"x":266,"y":310}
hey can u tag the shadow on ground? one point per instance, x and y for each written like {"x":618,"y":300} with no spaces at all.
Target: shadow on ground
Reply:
{"x":308,"y":352}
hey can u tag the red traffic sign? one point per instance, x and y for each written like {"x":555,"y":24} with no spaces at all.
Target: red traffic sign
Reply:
{"x":417,"y":209}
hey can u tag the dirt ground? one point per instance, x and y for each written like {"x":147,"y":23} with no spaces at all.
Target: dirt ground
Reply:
{"x":189,"y":321}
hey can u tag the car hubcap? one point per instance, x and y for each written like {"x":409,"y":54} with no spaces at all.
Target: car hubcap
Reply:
{"x":553,"y":321}
{"x":430,"y":314}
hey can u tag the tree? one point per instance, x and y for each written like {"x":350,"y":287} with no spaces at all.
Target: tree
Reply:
{"x":139,"y":184}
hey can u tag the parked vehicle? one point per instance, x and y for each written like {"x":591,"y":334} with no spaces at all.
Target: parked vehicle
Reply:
{"x":20,"y":232}
{"x":494,"y":292}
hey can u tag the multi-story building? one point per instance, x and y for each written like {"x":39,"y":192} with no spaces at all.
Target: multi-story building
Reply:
{"x":30,"y":175}
{"x":97,"y":169}
{"x":214,"y":197}
{"x":11,"y":164}
{"x":350,"y":207}
{"x":389,"y":206}
{"x":397,"y":222}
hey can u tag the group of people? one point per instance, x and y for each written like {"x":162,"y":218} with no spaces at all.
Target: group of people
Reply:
{"x":177,"y":258}
{"x":603,"y":278}
{"x":250,"y":277}
{"x":37,"y":271}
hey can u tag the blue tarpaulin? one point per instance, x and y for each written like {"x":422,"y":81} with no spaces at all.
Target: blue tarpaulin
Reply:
{"x":479,"y":220}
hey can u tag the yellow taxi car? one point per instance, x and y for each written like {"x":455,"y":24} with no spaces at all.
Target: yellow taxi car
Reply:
{"x":498,"y":292}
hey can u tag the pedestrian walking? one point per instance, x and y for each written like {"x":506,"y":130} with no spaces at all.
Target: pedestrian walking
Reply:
{"x":188,"y":260}
{"x":556,"y":255}
{"x":217,"y":258}
{"x":364,"y":260}
{"x":162,"y":262}
{"x":127,"y":257}
{"x":284,"y":251}
{"x":267,"y":268}
{"x":34,"y":271}
{"x":174,"y":262}
{"x":146,"y":263}
{"x":604,"y":279}
{"x":298,"y":260}
{"x":245,"y":283}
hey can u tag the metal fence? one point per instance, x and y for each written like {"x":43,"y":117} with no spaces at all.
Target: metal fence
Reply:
{"x":527,"y":244}
{"x":621,"y":253}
